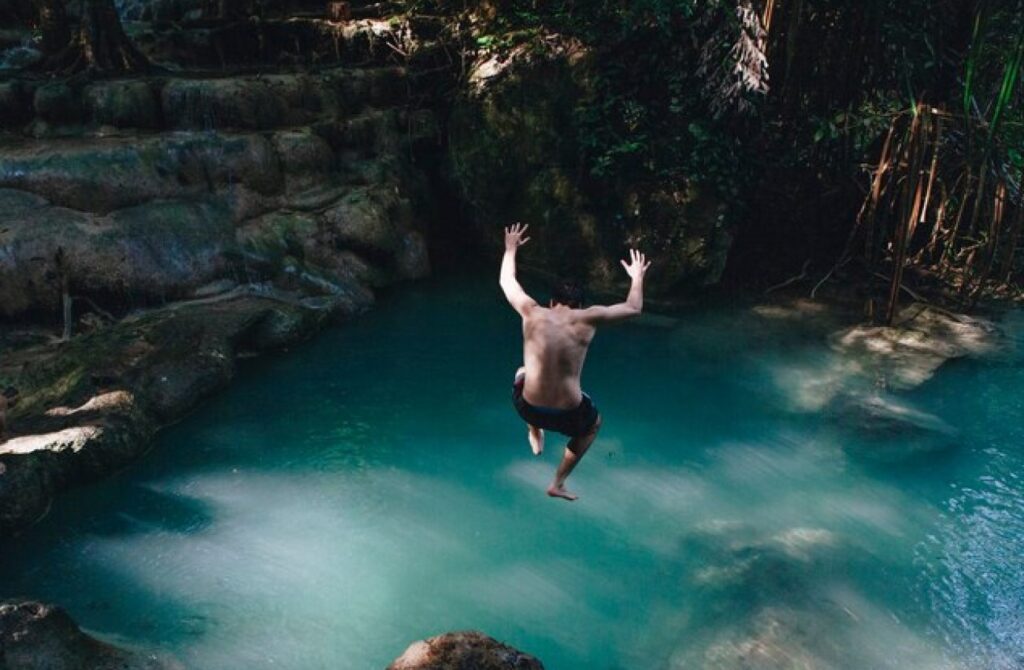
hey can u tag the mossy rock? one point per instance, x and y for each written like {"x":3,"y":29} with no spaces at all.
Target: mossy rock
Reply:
{"x":223,"y":103}
{"x":124,"y":104}
{"x":15,"y":104}
{"x":273,"y":236}
{"x":57,"y":104}
{"x":111,"y":174}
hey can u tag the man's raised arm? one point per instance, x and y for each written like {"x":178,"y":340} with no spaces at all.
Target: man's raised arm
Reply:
{"x":514,"y":293}
{"x":634,"y":303}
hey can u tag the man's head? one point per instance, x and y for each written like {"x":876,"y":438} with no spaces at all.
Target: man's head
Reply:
{"x":568,"y":292}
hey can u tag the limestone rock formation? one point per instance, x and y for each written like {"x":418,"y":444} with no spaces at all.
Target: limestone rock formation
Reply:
{"x":35,"y":636}
{"x":172,"y":223}
{"x":514,"y":157}
{"x":467,"y":650}
{"x":139,"y":220}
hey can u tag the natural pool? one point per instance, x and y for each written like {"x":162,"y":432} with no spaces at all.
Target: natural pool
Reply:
{"x":375,"y":486}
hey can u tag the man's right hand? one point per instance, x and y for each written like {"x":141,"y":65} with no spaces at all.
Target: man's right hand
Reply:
{"x":514,"y":236}
{"x":637,"y":265}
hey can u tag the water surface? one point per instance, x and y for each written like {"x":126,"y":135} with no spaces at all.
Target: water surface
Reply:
{"x":375,"y":486}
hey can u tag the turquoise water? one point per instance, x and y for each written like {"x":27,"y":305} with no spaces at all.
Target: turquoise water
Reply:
{"x":374,"y":487}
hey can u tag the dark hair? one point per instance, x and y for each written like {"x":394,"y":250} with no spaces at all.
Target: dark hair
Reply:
{"x":568,"y":292}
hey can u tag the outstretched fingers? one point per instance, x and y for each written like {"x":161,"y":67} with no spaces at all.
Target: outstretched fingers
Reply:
{"x":637,"y":262}
{"x":515,"y":233}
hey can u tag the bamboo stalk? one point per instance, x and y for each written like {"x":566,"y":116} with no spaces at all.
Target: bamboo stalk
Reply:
{"x":1018,"y":223}
{"x":950,"y":246}
{"x":933,"y":170}
{"x":998,"y":207}
{"x":870,"y":207}
{"x":909,"y":208}
{"x":769,"y":12}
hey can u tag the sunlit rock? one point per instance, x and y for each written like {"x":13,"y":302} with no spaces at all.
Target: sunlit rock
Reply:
{"x":70,"y":439}
{"x":34,"y":636}
{"x":908,"y":353}
{"x":468,"y":650}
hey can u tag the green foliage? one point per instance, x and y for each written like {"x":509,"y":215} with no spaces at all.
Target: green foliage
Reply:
{"x":679,"y":94}
{"x":647,"y":116}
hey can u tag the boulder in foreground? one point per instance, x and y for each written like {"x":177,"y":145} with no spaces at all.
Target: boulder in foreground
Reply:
{"x":34,"y":635}
{"x":466,"y":650}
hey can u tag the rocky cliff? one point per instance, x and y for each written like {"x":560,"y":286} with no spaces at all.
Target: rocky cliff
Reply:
{"x":155,"y":228}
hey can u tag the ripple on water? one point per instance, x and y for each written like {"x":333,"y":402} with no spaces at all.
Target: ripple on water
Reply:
{"x":974,"y":572}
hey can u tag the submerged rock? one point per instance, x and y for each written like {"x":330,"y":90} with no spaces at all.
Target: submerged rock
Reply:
{"x":468,"y":650}
{"x":36,"y":636}
{"x":888,"y":429}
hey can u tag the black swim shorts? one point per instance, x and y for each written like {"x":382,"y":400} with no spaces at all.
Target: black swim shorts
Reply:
{"x":574,"y":422}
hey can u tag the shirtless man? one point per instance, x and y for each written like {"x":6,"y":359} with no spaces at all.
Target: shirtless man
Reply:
{"x":546,"y":391}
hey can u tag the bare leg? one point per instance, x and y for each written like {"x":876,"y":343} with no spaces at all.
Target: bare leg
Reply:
{"x":534,"y":434}
{"x":536,"y":437}
{"x":574,"y":452}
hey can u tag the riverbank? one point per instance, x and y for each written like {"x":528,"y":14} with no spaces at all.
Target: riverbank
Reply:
{"x":88,"y":406}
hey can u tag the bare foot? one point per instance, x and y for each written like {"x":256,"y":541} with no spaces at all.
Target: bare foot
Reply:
{"x":536,"y":437}
{"x":559,"y":492}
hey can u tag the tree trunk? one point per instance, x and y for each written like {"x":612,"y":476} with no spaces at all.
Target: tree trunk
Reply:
{"x":53,"y":25}
{"x":103,"y":42}
{"x":98,"y":43}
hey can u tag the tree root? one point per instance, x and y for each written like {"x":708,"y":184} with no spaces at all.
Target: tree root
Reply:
{"x":791,"y":280}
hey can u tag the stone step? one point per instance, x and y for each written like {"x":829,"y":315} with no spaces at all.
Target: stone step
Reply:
{"x":245,"y":102}
{"x":275,"y":41}
{"x":184,"y":10}
{"x":104,"y":174}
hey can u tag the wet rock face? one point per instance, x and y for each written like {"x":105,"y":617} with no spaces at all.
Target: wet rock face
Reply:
{"x":175,"y":223}
{"x":296,"y":178}
{"x":34,"y":636}
{"x":514,"y":157}
{"x":468,"y":650}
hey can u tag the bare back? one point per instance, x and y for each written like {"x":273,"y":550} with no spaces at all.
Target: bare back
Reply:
{"x":555,"y":343}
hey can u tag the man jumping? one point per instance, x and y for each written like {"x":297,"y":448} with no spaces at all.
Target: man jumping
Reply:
{"x":546,"y":391}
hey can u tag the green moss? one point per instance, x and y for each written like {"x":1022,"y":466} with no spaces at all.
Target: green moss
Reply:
{"x":277,"y":235}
